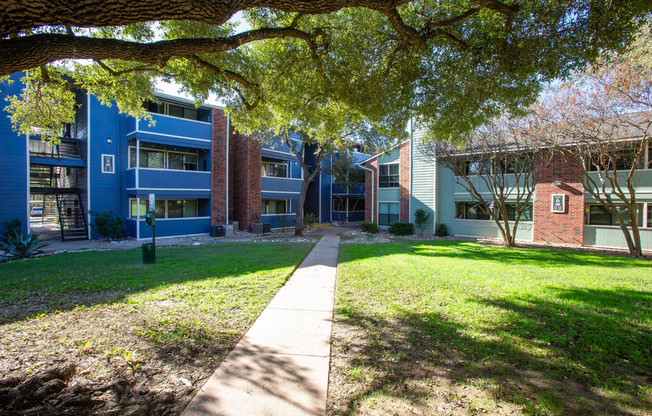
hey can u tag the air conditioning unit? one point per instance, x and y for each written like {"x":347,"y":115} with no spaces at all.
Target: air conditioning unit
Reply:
{"x":217,"y":231}
{"x":228,"y":230}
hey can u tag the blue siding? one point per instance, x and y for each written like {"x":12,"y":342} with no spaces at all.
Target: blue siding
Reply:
{"x":173,"y":130}
{"x":172,"y":179}
{"x":14,"y":165}
{"x":104,"y":187}
{"x":172,"y":227}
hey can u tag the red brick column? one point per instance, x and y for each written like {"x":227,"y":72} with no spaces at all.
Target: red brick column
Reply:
{"x":218,"y":167}
{"x":247,"y":162}
{"x":559,"y":228}
{"x":371,"y":187}
{"x":404,"y":182}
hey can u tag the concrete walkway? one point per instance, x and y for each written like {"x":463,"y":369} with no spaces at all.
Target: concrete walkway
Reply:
{"x":280,"y":367}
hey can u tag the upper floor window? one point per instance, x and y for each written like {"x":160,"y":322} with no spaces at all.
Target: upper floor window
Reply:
{"x":274,"y":168}
{"x":163,"y":159}
{"x":622,"y":159}
{"x":176,"y":110}
{"x":388,"y":176}
{"x":478,"y":168}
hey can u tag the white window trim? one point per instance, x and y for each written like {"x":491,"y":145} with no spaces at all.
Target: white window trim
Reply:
{"x":398,"y":162}
{"x":287,"y":206}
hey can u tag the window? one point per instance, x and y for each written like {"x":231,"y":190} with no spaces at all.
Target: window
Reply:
{"x":469,"y":211}
{"x":274,"y":206}
{"x":176,"y":110}
{"x":599,"y":215}
{"x":388,"y":176}
{"x":166,"y":208}
{"x":649,"y":215}
{"x":162,"y":159}
{"x":274,"y":168}
{"x":388,"y":213}
{"x":478,"y":168}
{"x":182,"y":161}
{"x":622,"y":160}
{"x":348,"y":204}
{"x":526,"y":213}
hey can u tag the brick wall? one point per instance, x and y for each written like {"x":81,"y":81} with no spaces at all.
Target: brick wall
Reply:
{"x":404,"y":182}
{"x":559,"y":228}
{"x":369,"y":185}
{"x":218,"y":168}
{"x":246,"y":172}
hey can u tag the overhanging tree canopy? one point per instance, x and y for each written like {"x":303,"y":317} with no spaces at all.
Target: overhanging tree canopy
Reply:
{"x":456,"y":63}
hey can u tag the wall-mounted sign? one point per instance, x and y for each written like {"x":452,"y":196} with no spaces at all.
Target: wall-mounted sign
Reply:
{"x":558,"y":203}
{"x":108,"y":165}
{"x":152,"y":202}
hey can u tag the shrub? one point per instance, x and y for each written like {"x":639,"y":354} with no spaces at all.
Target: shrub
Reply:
{"x":10,"y":228}
{"x":309,"y":220}
{"x":442,"y":231}
{"x":284,"y":221}
{"x":109,"y":225}
{"x":402,"y":228}
{"x":421,"y":217}
{"x":20,"y":246}
{"x":369,"y":227}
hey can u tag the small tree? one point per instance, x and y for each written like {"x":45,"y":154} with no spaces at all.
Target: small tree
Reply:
{"x":496,"y":168}
{"x":421,"y":217}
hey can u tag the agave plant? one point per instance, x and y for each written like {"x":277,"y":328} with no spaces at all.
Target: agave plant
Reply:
{"x":20,"y":246}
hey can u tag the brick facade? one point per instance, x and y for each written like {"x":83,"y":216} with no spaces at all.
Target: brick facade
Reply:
{"x":244,"y":175}
{"x":369,"y":185}
{"x":246,"y":189}
{"x":218,"y":168}
{"x":558,"y":228}
{"x":404,"y":182}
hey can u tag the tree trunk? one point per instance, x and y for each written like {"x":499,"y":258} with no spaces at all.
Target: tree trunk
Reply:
{"x":298,"y":223}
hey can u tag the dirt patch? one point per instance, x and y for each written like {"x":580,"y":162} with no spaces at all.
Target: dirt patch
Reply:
{"x":70,"y":363}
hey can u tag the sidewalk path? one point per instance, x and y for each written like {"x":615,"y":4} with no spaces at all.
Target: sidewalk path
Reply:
{"x":280,"y":367}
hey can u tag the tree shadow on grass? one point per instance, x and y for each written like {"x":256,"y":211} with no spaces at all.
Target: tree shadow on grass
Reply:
{"x":588,"y":354}
{"x":541,"y":257}
{"x":37,"y":287}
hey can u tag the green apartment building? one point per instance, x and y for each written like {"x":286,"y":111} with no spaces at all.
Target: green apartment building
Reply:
{"x":404,"y":179}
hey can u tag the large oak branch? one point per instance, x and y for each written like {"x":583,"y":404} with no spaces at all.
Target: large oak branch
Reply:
{"x":17,"y":15}
{"x":33,"y":51}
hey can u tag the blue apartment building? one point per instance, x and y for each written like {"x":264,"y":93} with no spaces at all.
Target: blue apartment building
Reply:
{"x":200,"y":170}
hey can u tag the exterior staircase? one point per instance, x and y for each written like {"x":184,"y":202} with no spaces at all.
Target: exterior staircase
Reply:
{"x":60,"y":199}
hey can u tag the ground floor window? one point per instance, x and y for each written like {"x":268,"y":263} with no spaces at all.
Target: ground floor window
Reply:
{"x":388,"y":213}
{"x":526,"y":212}
{"x":165,"y":208}
{"x":274,"y":206}
{"x":348,"y":204}
{"x":469,"y":211}
{"x":595,"y":214}
{"x":649,"y":211}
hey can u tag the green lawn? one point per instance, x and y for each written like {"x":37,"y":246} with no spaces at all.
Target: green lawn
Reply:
{"x":143,"y":326}
{"x":460,"y":328}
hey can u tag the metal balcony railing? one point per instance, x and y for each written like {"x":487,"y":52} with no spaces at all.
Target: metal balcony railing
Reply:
{"x":66,"y":149}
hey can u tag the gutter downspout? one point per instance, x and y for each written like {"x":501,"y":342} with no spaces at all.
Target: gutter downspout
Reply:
{"x":373,"y":183}
{"x":228,"y":134}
